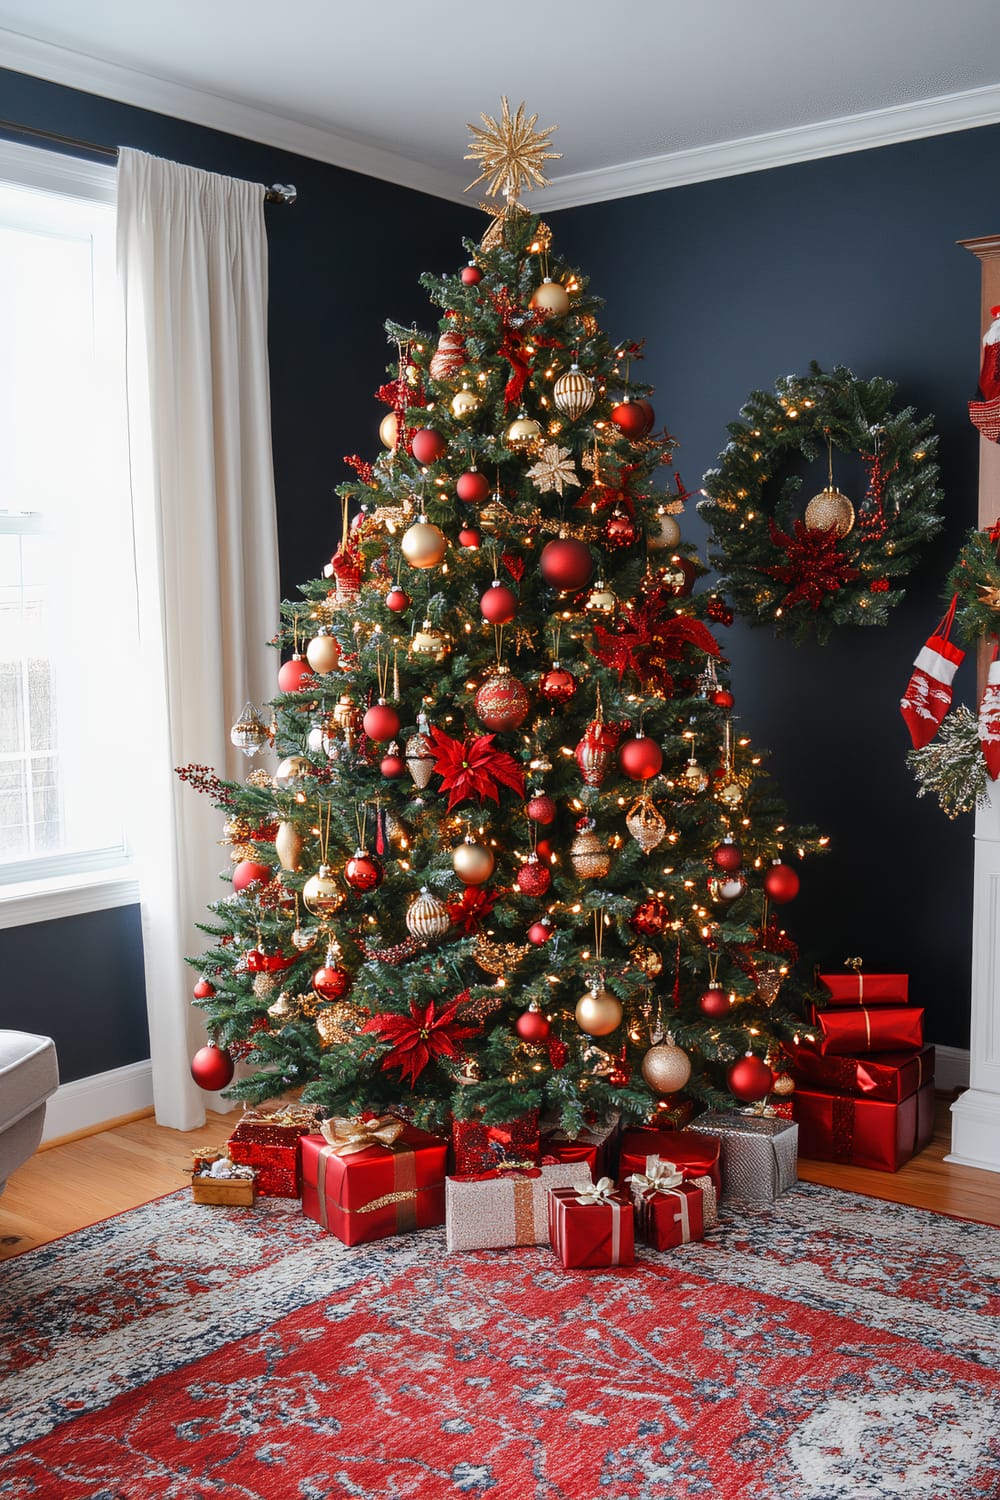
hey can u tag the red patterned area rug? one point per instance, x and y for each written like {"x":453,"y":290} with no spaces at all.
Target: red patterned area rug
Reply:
{"x":826,"y":1347}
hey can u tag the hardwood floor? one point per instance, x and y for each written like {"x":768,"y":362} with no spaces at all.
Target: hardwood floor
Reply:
{"x":68,"y":1185}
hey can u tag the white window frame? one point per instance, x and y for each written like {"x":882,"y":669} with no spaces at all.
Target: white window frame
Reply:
{"x":71,"y":892}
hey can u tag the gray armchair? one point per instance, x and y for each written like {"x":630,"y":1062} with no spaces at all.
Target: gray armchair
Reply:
{"x":29,"y":1073}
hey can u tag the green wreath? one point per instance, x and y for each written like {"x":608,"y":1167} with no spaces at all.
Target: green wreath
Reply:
{"x":805,"y":570}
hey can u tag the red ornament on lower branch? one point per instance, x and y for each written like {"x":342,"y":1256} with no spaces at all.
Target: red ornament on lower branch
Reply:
{"x":212,"y":1067}
{"x":531,"y":1025}
{"x":750,"y":1079}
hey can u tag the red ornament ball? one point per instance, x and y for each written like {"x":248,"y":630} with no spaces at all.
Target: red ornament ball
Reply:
{"x":620,"y":531}
{"x":428,"y":445}
{"x":650,"y":917}
{"x":471,"y":275}
{"x":331,"y":982}
{"x":468,"y":537}
{"x":534,"y":878}
{"x":502,"y":702}
{"x":558,"y":1052}
{"x":714,"y":1003}
{"x":640,"y":758}
{"x":647,"y":410}
{"x":727,"y":856}
{"x":295,"y":675}
{"x":557,"y":685}
{"x":781,"y":883}
{"x":539,"y":932}
{"x":203,"y":990}
{"x":545,"y":851}
{"x":363,"y":872}
{"x":392,"y":767}
{"x":381,"y":722}
{"x":249,"y":872}
{"x":723,"y":698}
{"x":542,"y":808}
{"x":750,"y":1079}
{"x":473,"y":487}
{"x":566,"y":564}
{"x":498,"y":604}
{"x":212,"y":1067}
{"x":397,"y":599}
{"x":629,"y":418}
{"x":531,"y":1026}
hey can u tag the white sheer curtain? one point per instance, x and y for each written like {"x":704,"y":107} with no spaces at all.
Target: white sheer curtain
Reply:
{"x":192,"y":255}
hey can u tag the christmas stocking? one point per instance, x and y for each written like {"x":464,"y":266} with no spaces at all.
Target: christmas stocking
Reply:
{"x":989,"y":719}
{"x":928,"y":692}
{"x":985,"y":413}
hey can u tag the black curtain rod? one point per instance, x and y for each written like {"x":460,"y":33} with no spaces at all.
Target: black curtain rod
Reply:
{"x":278,"y":192}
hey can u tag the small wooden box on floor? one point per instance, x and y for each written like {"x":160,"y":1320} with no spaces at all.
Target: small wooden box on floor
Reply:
{"x":238,"y":1192}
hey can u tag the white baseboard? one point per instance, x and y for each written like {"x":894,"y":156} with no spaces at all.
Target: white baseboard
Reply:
{"x":951,"y":1068}
{"x":87,"y":1102}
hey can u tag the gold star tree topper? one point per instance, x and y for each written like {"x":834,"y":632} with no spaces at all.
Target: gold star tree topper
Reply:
{"x":510,"y":152}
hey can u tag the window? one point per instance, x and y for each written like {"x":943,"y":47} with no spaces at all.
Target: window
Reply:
{"x":67,"y":575}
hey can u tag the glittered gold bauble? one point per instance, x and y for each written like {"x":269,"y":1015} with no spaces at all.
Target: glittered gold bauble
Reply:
{"x":419,"y":760}
{"x":473,"y":862}
{"x":265,"y":985}
{"x":464,"y":404}
{"x":334,"y":1024}
{"x":830,"y":510}
{"x":291,"y":771}
{"x":502,"y":702}
{"x":551,"y":297}
{"x":646,"y":824}
{"x":323,"y":653}
{"x":424,"y":545}
{"x":693,"y":778}
{"x":322,"y":893}
{"x":666,"y":1067}
{"x":647,"y":959}
{"x":288,"y":846}
{"x":427,"y":918}
{"x":783,"y":1084}
{"x":573,"y":393}
{"x":524,"y":435}
{"x":249,"y":732}
{"x":589,"y":855}
{"x":664,"y":534}
{"x":388,"y":429}
{"x":449,"y":356}
{"x":431,"y":644}
{"x":598,"y":1012}
{"x":728,"y":791}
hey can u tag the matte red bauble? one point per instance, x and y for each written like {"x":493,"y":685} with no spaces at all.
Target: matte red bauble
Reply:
{"x":392,"y":766}
{"x":363,"y":872}
{"x":532,"y":1026}
{"x":647,"y":410}
{"x":428,"y":445}
{"x":203,"y":990}
{"x":473,"y":487}
{"x":714,"y":1003}
{"x":397,"y":599}
{"x":249,"y":872}
{"x":468,"y":537}
{"x":640,"y":758}
{"x":539,"y":932}
{"x":727,"y":855}
{"x":502,"y":702}
{"x":471,"y":275}
{"x":544,"y":851}
{"x":620,"y":531}
{"x":781,"y":883}
{"x":381,"y":722}
{"x":566,"y":564}
{"x":295,"y":675}
{"x":331,"y":982}
{"x":629,"y":418}
{"x":534,"y":878}
{"x":557,"y":685}
{"x":542,"y":808}
{"x":650,"y":917}
{"x":750,"y":1079}
{"x":723,"y":698}
{"x":211,"y":1067}
{"x":498,"y":604}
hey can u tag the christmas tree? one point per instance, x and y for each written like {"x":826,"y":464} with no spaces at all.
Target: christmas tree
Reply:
{"x":514,"y":856}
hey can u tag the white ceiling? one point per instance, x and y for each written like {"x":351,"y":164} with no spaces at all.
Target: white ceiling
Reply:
{"x":659,"y":92}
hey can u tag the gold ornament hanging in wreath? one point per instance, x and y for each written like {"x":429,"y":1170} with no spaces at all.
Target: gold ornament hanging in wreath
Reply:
{"x":807,"y":568}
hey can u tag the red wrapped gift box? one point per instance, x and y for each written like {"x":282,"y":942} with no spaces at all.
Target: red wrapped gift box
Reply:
{"x":693,"y":1154}
{"x":480,"y":1148}
{"x":366,"y":1180}
{"x":591,"y":1226}
{"x":864,"y":1132}
{"x":268,"y":1140}
{"x":668,"y":1210}
{"x":844,"y":1033}
{"x":594,"y":1145}
{"x":891,"y":1076}
{"x":865,"y":989}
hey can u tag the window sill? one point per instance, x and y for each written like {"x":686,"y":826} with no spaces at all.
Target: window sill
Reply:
{"x":67,"y":896}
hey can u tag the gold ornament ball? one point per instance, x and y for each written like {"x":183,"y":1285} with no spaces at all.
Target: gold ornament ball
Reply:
{"x":464,"y":404}
{"x":288,"y":846}
{"x":601,"y":600}
{"x":598,"y":1012}
{"x":830,"y":510}
{"x":323,"y":653}
{"x":430,"y":643}
{"x":473,"y":862}
{"x":388,"y":429}
{"x":665,"y":535}
{"x":694,"y":777}
{"x":427,"y":918}
{"x":573,"y":393}
{"x":729,"y":792}
{"x":290,"y":771}
{"x":666,"y":1067}
{"x":648,"y":960}
{"x":523,"y":435}
{"x":551,"y":297}
{"x":424,"y":546}
{"x":322,"y":894}
{"x":589,"y":856}
{"x":783,"y":1084}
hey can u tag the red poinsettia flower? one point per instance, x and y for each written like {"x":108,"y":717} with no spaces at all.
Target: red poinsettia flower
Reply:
{"x":420,"y":1037}
{"x":472,"y":768}
{"x":647,"y":635}
{"x":468,"y":910}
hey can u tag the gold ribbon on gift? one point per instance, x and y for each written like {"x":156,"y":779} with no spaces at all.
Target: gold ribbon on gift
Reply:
{"x":524,"y":1210}
{"x":855,"y":964}
{"x":302,"y":1116}
{"x":344,"y":1137}
{"x":387,"y":1199}
{"x":868,"y":1022}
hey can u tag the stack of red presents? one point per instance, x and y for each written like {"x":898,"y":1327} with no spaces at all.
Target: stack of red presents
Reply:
{"x":864,"y":1086}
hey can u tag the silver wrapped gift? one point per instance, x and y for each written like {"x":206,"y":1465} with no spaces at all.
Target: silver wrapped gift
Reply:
{"x":759,"y":1157}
